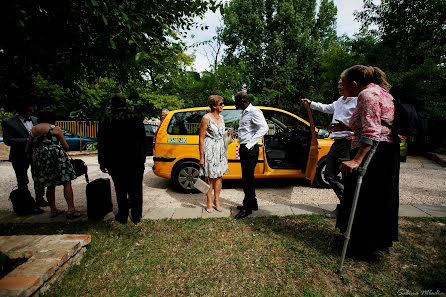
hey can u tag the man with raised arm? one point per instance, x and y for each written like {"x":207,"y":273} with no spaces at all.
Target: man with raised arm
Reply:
{"x":341,"y":109}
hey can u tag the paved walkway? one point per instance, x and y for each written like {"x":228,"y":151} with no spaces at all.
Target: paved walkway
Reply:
{"x":199,"y":212}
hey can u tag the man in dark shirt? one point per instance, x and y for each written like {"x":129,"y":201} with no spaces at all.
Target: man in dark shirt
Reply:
{"x":15,"y":134}
{"x":121,"y":153}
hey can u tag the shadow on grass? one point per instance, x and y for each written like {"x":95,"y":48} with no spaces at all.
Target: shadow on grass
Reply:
{"x":312,"y":232}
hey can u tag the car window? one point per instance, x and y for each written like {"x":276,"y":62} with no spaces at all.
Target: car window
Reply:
{"x":151,"y":129}
{"x":186,"y":123}
{"x":232,"y":118}
{"x":277,"y":120}
{"x":154,"y":128}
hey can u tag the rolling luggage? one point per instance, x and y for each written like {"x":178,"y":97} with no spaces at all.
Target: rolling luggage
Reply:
{"x":99,"y":201}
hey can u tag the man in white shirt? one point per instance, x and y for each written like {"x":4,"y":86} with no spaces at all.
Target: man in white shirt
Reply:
{"x":342,"y":110}
{"x":15,"y":134}
{"x":251,"y":129}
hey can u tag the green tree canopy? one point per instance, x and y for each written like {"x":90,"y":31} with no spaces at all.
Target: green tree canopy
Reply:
{"x":409,"y":44}
{"x":407,"y":40}
{"x":67,"y":42}
{"x":276,"y":45}
{"x":412,"y":30}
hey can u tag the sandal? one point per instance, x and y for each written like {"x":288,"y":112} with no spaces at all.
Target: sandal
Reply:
{"x":74,"y":215}
{"x":57,"y":213}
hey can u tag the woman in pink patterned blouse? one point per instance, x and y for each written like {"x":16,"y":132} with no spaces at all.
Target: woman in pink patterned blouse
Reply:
{"x":376,"y":221}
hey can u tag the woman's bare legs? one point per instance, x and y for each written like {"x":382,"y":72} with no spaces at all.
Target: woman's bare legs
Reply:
{"x":68,"y":194}
{"x":217,"y":190}
{"x":51,"y":197}
{"x":210,"y":181}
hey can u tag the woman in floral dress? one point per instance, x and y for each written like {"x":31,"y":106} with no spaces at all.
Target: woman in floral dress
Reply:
{"x":51,"y":164}
{"x":376,"y":221}
{"x":213,"y":153}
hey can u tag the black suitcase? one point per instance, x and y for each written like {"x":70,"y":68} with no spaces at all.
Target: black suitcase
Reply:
{"x":99,"y":201}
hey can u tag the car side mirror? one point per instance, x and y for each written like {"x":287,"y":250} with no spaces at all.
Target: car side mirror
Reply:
{"x":322,"y":133}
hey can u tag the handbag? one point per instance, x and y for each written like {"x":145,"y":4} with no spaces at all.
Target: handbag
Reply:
{"x":200,"y":184}
{"x":80,"y":168}
{"x":227,"y":140}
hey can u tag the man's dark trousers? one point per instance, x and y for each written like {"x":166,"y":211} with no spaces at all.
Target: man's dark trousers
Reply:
{"x":21,"y":172}
{"x":339,"y":150}
{"x":128,"y":186}
{"x":248,"y":159}
{"x":15,"y":135}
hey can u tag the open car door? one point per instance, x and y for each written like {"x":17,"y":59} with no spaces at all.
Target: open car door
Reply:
{"x":310,"y":171}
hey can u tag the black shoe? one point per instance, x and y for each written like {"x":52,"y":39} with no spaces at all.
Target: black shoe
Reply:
{"x":121,"y":220}
{"x":243,"y":214}
{"x":242,"y":207}
{"x":135,"y":220}
{"x":41,"y":202}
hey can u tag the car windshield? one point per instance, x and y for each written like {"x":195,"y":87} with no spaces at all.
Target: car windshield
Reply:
{"x":67,"y":133}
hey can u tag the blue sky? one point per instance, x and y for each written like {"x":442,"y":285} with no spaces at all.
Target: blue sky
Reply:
{"x":345,"y":25}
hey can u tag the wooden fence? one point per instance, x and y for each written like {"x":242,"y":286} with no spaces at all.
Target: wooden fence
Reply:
{"x":81,"y":128}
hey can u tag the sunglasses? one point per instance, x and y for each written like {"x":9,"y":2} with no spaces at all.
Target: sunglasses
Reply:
{"x":220,"y":104}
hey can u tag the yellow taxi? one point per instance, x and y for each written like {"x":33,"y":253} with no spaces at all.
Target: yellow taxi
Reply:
{"x":292,"y":147}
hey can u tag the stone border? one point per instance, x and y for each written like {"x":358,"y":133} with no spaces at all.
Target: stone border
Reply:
{"x":49,"y":256}
{"x":405,"y":210}
{"x":281,"y":210}
{"x":440,"y":159}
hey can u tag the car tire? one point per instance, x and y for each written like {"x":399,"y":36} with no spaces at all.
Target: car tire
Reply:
{"x":88,"y":146}
{"x":320,"y":171}
{"x":184,"y":176}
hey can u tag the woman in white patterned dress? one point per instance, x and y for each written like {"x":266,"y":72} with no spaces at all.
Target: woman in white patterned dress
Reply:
{"x":213,"y":154}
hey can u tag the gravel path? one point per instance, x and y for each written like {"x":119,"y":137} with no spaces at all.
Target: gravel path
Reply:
{"x":421,"y":182}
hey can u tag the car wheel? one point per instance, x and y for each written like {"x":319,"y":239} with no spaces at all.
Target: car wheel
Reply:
{"x":185,"y":175}
{"x":320,"y":174}
{"x":88,"y":146}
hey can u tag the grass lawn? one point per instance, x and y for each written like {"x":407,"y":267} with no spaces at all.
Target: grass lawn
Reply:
{"x":280,"y":256}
